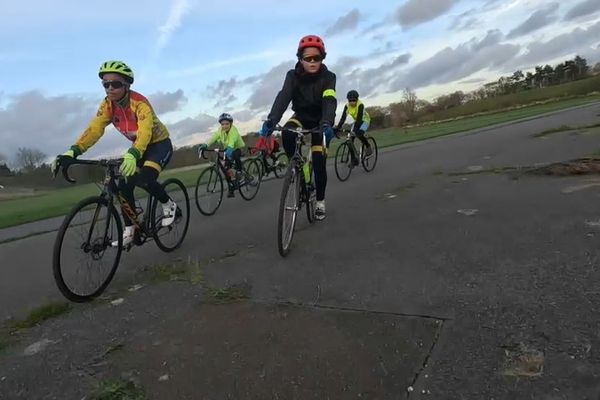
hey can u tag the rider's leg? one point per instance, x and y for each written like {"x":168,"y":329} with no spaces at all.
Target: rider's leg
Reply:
{"x":237,"y":159}
{"x":289,"y":138}
{"x":156,"y":158}
{"x":127,"y":200}
{"x":361,"y":135}
{"x":319,"y":160}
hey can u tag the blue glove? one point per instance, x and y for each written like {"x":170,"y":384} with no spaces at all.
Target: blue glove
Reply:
{"x":266,"y":128}
{"x":328,"y":132}
{"x":229,"y":153}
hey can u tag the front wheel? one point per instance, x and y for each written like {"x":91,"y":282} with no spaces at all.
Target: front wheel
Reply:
{"x":343,"y":162}
{"x":169,"y":238}
{"x":311,"y":204}
{"x":369,"y":162}
{"x":289,"y":204}
{"x":209,"y":191}
{"x":84,"y":260}
{"x":251,"y":178}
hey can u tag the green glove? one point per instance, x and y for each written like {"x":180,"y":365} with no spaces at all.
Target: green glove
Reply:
{"x":129,"y":165}
{"x":69,"y":153}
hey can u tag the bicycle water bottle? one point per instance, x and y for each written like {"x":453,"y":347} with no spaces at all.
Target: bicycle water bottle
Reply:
{"x":306,"y":171}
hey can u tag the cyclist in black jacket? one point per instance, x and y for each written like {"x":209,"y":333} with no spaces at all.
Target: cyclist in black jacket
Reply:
{"x":310,"y":87}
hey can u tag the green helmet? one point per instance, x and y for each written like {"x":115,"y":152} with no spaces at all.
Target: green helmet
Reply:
{"x":117,"y":67}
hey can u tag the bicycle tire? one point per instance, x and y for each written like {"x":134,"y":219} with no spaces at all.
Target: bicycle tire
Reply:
{"x":291,"y":182}
{"x":96,"y":249}
{"x":183,"y":215}
{"x":369,"y":163}
{"x":282,"y":160}
{"x":249,"y":190}
{"x":213,"y":176}
{"x":343,"y":162}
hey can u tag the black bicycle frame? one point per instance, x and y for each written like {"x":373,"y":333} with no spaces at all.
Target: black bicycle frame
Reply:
{"x":110,"y":188}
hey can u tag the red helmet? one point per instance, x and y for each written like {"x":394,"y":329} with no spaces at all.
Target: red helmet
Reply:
{"x":311,"y":41}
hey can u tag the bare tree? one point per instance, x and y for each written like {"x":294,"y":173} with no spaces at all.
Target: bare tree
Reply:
{"x":28,"y":159}
{"x":3,"y":159}
{"x":410,"y":101}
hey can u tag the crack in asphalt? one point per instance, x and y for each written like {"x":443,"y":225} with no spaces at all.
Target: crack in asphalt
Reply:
{"x":436,"y":338}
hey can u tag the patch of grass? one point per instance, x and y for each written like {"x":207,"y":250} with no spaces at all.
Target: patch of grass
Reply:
{"x":182,"y":271}
{"x":118,"y":390}
{"x":40,"y":314}
{"x":168,"y":272}
{"x":562,"y":128}
{"x":230,"y":294}
{"x":498,"y":170}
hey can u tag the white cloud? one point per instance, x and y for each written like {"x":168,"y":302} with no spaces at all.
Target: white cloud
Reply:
{"x":178,"y":10}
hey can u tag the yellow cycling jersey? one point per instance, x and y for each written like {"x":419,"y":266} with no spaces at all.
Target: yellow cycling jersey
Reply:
{"x":133,"y":117}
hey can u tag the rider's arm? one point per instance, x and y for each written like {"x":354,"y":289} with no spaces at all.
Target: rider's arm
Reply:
{"x":213,"y":139}
{"x":359,"y":117}
{"x":329,"y":102}
{"x":282,"y":101}
{"x":145,"y":121}
{"x":95,"y":129}
{"x":343,"y":118}
{"x":234,"y":139}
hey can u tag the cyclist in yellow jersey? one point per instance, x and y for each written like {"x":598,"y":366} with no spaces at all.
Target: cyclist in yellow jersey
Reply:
{"x":356,"y":109}
{"x":151,"y":149}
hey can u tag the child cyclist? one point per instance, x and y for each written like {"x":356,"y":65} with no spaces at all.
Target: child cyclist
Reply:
{"x":310,"y":87}
{"x":151,"y":149}
{"x":228,"y":137}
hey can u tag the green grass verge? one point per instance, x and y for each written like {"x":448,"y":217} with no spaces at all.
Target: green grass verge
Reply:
{"x":118,"y":390}
{"x":59,"y":202}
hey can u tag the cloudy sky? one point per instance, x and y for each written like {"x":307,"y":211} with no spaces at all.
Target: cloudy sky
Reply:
{"x":195,"y":60}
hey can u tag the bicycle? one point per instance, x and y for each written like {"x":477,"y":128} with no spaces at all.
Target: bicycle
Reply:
{"x":91,"y":227}
{"x":347,"y":157}
{"x":298,"y":188}
{"x":267,"y":164}
{"x":209,"y":186}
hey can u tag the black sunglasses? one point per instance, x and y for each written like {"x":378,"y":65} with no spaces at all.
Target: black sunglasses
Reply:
{"x":310,"y":59}
{"x":114,"y":84}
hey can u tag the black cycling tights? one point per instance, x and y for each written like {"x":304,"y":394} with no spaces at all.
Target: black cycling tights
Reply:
{"x":145,"y":179}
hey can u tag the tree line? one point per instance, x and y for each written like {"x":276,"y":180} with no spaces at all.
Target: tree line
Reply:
{"x":411,"y":109}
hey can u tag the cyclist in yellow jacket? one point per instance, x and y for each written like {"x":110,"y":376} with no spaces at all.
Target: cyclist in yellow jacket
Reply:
{"x":356,"y":109}
{"x":230,"y":140}
{"x":151,"y":149}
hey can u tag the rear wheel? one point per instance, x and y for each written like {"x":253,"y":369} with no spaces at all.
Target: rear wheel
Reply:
{"x":169,"y":238}
{"x":369,"y":162}
{"x":209,"y":191}
{"x":281,"y":165}
{"x":289,"y":205}
{"x":84,"y":260}
{"x":251,"y":178}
